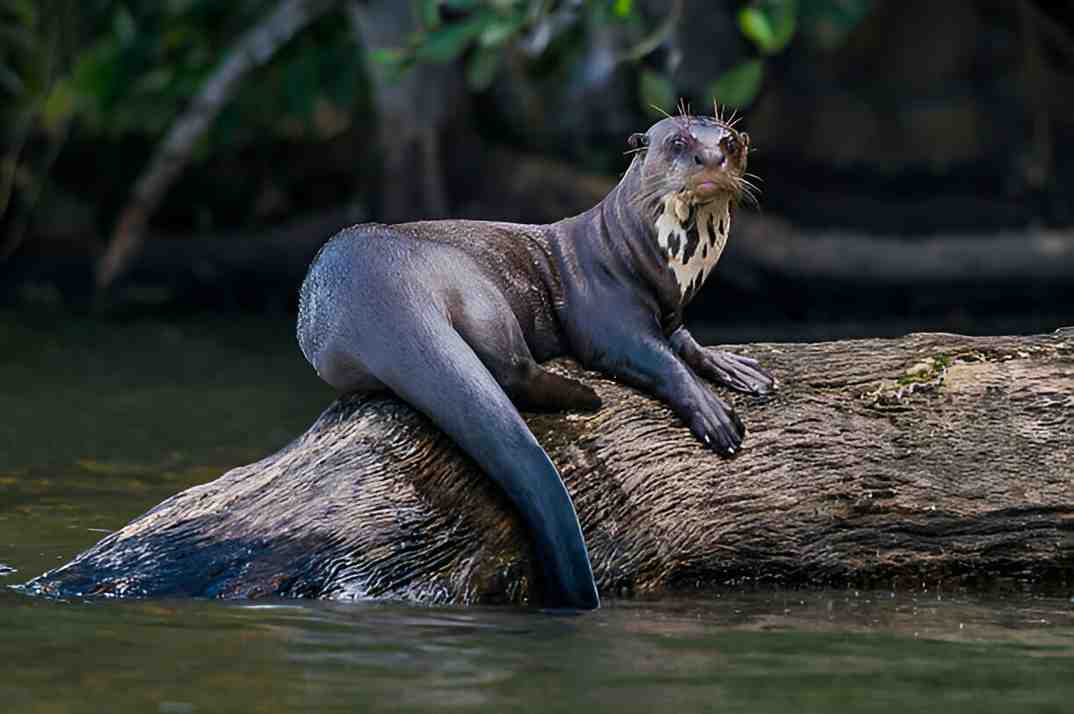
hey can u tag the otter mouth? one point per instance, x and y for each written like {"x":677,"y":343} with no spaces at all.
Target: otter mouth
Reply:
{"x":708,"y":187}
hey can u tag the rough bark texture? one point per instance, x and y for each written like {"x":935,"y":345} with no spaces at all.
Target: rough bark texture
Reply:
{"x":931,"y":457}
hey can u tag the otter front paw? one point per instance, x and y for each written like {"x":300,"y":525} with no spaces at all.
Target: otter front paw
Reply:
{"x":742,"y":374}
{"x":715,"y":423}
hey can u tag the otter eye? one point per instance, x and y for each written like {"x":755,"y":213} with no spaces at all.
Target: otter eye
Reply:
{"x":677,"y":144}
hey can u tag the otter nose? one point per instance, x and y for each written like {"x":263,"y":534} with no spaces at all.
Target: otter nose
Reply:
{"x":711,"y":158}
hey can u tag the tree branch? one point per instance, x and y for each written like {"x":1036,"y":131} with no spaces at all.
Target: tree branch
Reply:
{"x":253,"y":49}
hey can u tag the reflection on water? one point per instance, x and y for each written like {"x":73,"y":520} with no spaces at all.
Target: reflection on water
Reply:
{"x":816,"y":651}
{"x":102,"y":422}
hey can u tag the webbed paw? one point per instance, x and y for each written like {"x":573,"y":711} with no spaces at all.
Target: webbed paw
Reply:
{"x":743,"y":374}
{"x":714,"y":422}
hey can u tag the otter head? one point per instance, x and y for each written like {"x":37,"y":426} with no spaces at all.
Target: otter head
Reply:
{"x":692,"y":171}
{"x":697,"y":157}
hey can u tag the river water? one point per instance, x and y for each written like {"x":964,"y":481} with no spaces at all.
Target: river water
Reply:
{"x":100,"y":421}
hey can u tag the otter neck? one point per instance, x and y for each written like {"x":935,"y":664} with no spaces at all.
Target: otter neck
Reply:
{"x":672,"y":246}
{"x":692,"y":238}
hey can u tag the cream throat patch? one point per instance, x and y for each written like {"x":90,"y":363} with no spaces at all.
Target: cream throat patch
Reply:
{"x":692,"y":237}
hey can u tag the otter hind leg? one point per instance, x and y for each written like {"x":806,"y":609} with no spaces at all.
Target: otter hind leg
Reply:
{"x":493,"y":332}
{"x":540,"y":390}
{"x":436,"y":371}
{"x":532,"y":387}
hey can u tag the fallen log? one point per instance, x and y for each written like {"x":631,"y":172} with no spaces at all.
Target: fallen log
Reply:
{"x":1034,"y":255}
{"x":932,"y":458}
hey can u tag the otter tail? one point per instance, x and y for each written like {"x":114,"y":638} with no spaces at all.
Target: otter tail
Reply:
{"x":436,"y":371}
{"x":317,"y":298}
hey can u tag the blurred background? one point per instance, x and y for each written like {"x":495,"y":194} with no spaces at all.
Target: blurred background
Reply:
{"x":168,"y":168}
{"x":180,"y":156}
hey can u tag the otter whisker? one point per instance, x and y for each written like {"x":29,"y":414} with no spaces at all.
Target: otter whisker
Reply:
{"x":649,"y":200}
{"x":748,"y":196}
{"x":684,"y":113}
{"x":661,"y":110}
{"x":742,"y":181}
{"x":722,"y":117}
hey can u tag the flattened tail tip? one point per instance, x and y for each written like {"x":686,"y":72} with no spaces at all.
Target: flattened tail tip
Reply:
{"x":589,"y":600}
{"x":577,"y":594}
{"x":578,"y":607}
{"x":567,"y":611}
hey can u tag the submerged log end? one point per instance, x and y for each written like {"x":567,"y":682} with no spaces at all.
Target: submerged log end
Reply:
{"x":930,"y":458}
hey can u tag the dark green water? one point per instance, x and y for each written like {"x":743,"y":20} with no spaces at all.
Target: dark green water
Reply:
{"x":99,"y":422}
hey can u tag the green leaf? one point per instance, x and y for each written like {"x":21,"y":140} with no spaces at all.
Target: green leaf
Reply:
{"x":449,"y":41}
{"x":738,"y":86}
{"x":393,"y":63}
{"x":623,"y":8}
{"x":784,"y":20}
{"x":59,"y":106}
{"x":770,"y":25}
{"x":481,"y":68}
{"x":430,"y":14}
{"x":389,"y":55}
{"x":755,"y":26}
{"x":95,"y":75}
{"x":501,"y":29}
{"x":655,"y":90}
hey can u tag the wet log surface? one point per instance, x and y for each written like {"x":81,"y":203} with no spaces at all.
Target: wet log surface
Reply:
{"x":928,"y":458}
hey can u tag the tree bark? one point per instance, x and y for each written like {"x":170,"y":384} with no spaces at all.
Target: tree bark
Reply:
{"x":930,"y":458}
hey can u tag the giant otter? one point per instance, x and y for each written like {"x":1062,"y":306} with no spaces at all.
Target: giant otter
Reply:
{"x":455,"y":317}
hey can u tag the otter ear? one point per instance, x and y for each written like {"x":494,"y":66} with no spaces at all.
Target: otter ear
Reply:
{"x":637,"y":140}
{"x":745,"y":141}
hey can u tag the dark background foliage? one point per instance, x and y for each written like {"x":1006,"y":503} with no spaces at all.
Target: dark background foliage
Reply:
{"x":914,"y":155}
